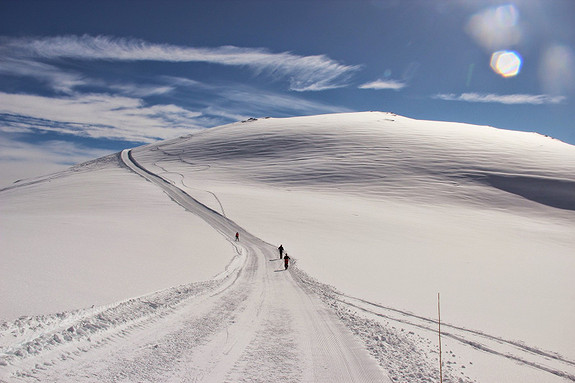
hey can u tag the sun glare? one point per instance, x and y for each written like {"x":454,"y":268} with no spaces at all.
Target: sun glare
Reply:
{"x":496,"y":28}
{"x":506,"y":63}
{"x":557,"y":71}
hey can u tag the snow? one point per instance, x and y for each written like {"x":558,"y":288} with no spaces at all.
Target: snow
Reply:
{"x":95,"y":236}
{"x":378,"y":212}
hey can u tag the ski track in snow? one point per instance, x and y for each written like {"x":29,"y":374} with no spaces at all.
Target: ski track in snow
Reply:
{"x":182,"y":178}
{"x":516,"y":351}
{"x":252,"y":324}
{"x":241,"y":327}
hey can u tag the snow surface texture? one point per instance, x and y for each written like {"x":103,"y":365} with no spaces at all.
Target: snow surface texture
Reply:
{"x":387,"y":209}
{"x":95,"y":235}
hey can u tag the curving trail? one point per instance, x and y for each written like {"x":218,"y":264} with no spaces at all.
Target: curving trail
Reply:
{"x":259,"y":324}
{"x":275,"y":329}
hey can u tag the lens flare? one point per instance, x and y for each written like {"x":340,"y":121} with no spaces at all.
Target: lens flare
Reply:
{"x":557,"y":71}
{"x":496,"y":28}
{"x":506,"y":63}
{"x":506,"y":16}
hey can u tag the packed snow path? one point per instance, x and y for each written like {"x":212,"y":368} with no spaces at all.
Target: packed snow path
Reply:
{"x":496,"y":245}
{"x":258,"y":324}
{"x":276,"y":331}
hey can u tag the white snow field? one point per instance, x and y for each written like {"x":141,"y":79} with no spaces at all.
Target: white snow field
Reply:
{"x":125,"y":269}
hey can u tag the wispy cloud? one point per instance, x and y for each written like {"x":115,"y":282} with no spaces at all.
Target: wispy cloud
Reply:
{"x":140,"y":90}
{"x":305,"y":73}
{"x":511,"y":99}
{"x":86,"y":102}
{"x":235,"y":101}
{"x":126,"y":118}
{"x":246,"y":98}
{"x":57,"y":79}
{"x":96,"y":116}
{"x":383,"y":84}
{"x":22,"y":160}
{"x":68,"y":82}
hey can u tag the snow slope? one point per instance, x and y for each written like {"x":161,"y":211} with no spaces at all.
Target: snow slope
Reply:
{"x":94,"y":235}
{"x":400,"y":201}
{"x":387,"y":209}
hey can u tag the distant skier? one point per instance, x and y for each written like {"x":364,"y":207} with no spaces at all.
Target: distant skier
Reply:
{"x":237,"y":236}
{"x":281,"y":249}
{"x":286,"y":261}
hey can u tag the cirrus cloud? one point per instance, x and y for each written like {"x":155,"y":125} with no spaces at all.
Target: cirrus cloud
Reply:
{"x":305,"y":73}
{"x":510,"y":99}
{"x":95,"y":116}
{"x":383,"y":84}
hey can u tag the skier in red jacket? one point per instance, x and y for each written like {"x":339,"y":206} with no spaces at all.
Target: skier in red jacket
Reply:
{"x":286,"y":261}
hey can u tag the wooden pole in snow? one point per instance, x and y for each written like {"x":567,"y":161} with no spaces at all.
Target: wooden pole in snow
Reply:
{"x":439,"y":322}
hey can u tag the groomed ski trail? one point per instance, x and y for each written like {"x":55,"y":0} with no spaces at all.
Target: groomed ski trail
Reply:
{"x":257,"y":324}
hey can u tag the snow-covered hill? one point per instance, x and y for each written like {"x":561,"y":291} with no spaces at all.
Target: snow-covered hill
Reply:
{"x":388,"y":210}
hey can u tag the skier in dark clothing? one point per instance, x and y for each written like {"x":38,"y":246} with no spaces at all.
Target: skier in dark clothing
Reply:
{"x":281,"y":249}
{"x":286,"y":261}
{"x":237,"y":236}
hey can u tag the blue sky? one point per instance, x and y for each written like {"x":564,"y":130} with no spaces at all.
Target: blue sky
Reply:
{"x":81,"y":79}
